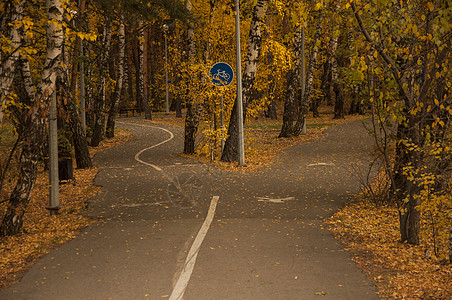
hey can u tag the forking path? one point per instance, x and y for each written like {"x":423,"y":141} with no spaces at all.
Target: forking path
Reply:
{"x":263,"y":239}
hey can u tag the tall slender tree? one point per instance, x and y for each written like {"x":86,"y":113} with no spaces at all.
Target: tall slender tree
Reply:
{"x":110,"y":131}
{"x":305,"y":98}
{"x":13,"y":220}
{"x":230,"y":152}
{"x":100,"y":101}
{"x":192,"y":117}
{"x":412,"y":44}
{"x":13,"y":16}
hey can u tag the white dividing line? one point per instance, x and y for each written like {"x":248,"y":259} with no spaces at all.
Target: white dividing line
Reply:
{"x":322,"y":164}
{"x":187,"y":270}
{"x":184,"y":278}
{"x":277,"y":200}
{"x":137,"y":156}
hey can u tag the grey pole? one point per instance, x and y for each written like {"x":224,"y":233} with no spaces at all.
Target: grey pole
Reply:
{"x":222,"y":121}
{"x":303,"y":74}
{"x":82,"y":88}
{"x":165,"y":30}
{"x":54,"y":199}
{"x":241,"y":145}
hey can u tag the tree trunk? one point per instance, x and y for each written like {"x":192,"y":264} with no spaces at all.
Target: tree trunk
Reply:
{"x":304,"y":101}
{"x":191,"y":128}
{"x":110,"y":131}
{"x":231,"y":152}
{"x":249,"y":74}
{"x":76,"y":56}
{"x":8,"y":64}
{"x":191,"y":118}
{"x":271,"y":110}
{"x":339,"y":100}
{"x":32,"y":141}
{"x":289,"y":104}
{"x":327,"y":78}
{"x":128,"y":84}
{"x":141,"y":79}
{"x":293,"y":87}
{"x":82,"y":156}
{"x":99,"y":105}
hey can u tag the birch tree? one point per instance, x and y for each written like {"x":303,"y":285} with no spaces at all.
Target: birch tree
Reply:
{"x":34,"y":122}
{"x":411,"y":46}
{"x":293,"y":86}
{"x":305,"y":98}
{"x":10,"y":53}
{"x":230,"y":152}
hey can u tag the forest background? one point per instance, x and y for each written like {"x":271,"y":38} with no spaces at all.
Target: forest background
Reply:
{"x":389,"y":59}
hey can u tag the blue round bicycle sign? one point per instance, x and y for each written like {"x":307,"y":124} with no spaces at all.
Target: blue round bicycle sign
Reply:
{"x":221,"y":74}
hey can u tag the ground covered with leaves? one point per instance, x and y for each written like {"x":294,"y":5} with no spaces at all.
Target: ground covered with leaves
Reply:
{"x":400,"y":271}
{"x":42,"y":232}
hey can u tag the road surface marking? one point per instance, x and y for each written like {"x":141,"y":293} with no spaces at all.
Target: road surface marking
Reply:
{"x":277,"y":200}
{"x":322,"y":164}
{"x":139,"y":204}
{"x":187,"y":270}
{"x":137,"y":156}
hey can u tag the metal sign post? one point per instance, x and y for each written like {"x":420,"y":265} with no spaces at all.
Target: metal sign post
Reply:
{"x":165,"y":32}
{"x":222,"y":122}
{"x":222,"y":75}
{"x":54,"y":195}
{"x":241,"y":143}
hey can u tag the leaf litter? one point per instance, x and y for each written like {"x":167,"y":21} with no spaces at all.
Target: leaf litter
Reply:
{"x":41,"y":232}
{"x":399,"y":270}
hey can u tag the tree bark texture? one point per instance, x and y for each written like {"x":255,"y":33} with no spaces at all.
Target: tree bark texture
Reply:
{"x":9,"y":59}
{"x":293,"y":88}
{"x":191,"y":118}
{"x":305,"y":99}
{"x":327,"y":78}
{"x":76,"y":54}
{"x":289,"y":104}
{"x":110,"y":131}
{"x":230,"y":150}
{"x":191,"y":128}
{"x":82,"y":156}
{"x":141,"y":79}
{"x":13,"y":220}
{"x":99,"y":105}
{"x":249,"y":74}
{"x":338,"y":104}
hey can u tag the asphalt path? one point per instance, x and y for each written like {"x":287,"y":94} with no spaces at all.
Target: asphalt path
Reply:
{"x":173,"y":228}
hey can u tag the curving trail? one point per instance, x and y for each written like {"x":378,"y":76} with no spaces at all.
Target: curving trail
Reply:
{"x":165,"y":234}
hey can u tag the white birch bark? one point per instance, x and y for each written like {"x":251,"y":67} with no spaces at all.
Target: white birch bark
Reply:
{"x":230,"y":152}
{"x":254,"y":50}
{"x":32,"y":141}
{"x":304,"y":99}
{"x":8,"y":62}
